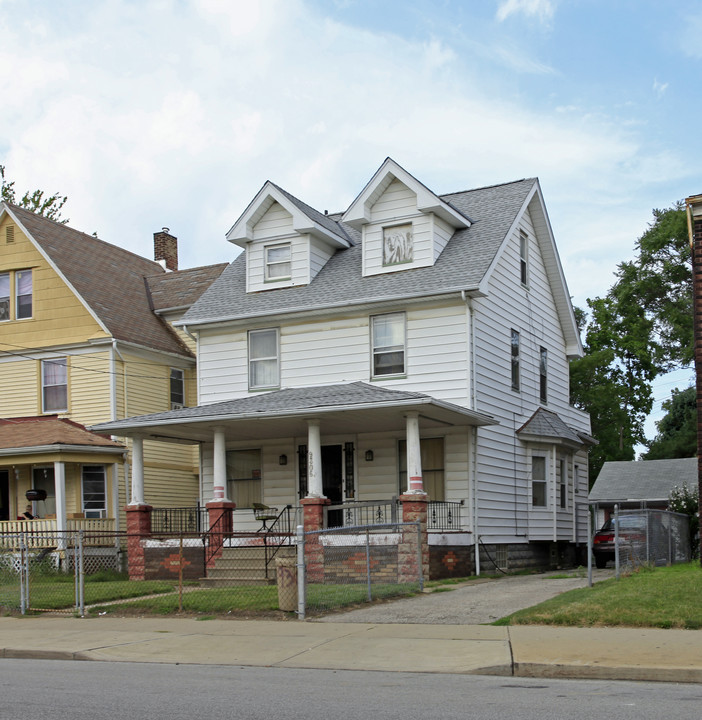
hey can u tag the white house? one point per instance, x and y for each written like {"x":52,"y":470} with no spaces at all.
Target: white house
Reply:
{"x":415,"y":342}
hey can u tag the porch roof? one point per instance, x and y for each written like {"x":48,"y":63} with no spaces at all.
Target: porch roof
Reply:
{"x":342,"y":408}
{"x":51,"y":434}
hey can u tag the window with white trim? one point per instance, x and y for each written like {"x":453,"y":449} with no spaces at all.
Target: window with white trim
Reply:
{"x":562,"y":483}
{"x":23,"y":294}
{"x":244,"y":477}
{"x":388,"y":339}
{"x":538,"y":481}
{"x":54,"y":385}
{"x":177,"y":388}
{"x":16,"y":295}
{"x":278,"y":262}
{"x":264,"y":359}
{"x":94,"y":491}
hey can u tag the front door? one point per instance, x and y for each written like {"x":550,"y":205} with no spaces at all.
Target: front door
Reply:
{"x":332,"y":482}
{"x":4,"y":495}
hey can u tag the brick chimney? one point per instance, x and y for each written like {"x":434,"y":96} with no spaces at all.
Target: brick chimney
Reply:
{"x":166,"y":249}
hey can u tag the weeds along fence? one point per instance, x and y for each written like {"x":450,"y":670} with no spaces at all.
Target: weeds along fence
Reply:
{"x":249,"y":575}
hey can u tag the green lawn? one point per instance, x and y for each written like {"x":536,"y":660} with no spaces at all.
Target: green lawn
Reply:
{"x":665,"y":597}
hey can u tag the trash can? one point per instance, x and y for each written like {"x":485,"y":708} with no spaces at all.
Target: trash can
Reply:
{"x":286,"y":572}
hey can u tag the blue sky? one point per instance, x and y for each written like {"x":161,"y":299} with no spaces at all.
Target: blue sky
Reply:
{"x":174,"y":112}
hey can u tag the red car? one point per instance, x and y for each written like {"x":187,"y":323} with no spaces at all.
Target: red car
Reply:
{"x":632,"y":538}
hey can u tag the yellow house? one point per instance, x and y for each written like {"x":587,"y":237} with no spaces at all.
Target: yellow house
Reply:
{"x":86,"y":337}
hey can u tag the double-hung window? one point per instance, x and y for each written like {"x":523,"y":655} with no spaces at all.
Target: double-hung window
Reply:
{"x":4,"y":296}
{"x":264,"y":360}
{"x":538,"y":481}
{"x":515,"y":360}
{"x":562,"y":483}
{"x":388,"y":338}
{"x":16,"y":295}
{"x":94,"y":495}
{"x":23,"y":294}
{"x":177,"y":388}
{"x":54,"y":385}
{"x":278,"y":262}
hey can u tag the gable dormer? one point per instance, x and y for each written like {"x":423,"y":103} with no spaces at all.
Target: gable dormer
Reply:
{"x":404,"y":224}
{"x":286,"y":242}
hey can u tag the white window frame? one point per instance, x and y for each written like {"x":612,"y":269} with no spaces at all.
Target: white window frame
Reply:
{"x":252,"y":360}
{"x":6,"y":277}
{"x":403,"y":253}
{"x":562,"y":480}
{"x":176,"y":375}
{"x":379,"y":350}
{"x":544,"y":481}
{"x":271,"y":265}
{"x":93,"y":512}
{"x":44,"y":385}
{"x":19,"y":274}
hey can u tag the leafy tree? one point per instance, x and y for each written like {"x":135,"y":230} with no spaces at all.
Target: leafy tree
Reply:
{"x":47,"y":205}
{"x":677,"y":430}
{"x":639,"y":330}
{"x":613,"y":380}
{"x":659,"y":279}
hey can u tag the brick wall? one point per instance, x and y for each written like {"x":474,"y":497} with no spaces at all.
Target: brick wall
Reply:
{"x":344,"y":565}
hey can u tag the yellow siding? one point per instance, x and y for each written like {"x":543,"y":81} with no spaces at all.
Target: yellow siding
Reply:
{"x":58,"y":316}
{"x":19,"y":388}
{"x":89,"y":388}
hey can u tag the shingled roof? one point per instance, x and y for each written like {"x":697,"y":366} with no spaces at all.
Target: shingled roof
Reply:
{"x":461,"y":266}
{"x":49,"y":431}
{"x":180,"y":289}
{"x":110,"y":280}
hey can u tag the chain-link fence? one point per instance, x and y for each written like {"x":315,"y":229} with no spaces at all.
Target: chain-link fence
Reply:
{"x":245,"y":574}
{"x":352,"y":565}
{"x":632,"y":538}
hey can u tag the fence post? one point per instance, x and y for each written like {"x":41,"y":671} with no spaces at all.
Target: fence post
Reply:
{"x":368,"y":565}
{"x":414,"y":510}
{"x":300,"y":572}
{"x":24,"y":575}
{"x":616,"y":541}
{"x":81,"y":574}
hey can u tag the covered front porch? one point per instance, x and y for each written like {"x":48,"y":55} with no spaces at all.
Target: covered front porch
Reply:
{"x":56,"y":477}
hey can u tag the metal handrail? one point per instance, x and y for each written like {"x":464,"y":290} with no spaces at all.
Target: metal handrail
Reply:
{"x":284,"y":532}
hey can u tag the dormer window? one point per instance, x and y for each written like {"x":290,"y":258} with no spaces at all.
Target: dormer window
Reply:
{"x":398,"y":244}
{"x":278,"y":262}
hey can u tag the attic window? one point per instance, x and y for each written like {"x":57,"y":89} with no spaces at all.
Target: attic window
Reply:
{"x":523,"y":257}
{"x":278,"y":262}
{"x":10,"y":233}
{"x":398,"y":245}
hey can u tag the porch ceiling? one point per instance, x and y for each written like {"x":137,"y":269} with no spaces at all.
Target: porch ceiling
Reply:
{"x":352,"y":408}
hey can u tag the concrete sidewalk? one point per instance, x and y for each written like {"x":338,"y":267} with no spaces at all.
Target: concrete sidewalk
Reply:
{"x":525,"y":651}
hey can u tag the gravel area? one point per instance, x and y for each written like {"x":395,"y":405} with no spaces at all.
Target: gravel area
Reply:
{"x":475,"y":603}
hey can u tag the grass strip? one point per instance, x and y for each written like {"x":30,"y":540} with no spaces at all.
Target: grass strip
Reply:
{"x":665,"y":597}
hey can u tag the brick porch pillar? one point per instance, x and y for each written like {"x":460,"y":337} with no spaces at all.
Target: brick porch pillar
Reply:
{"x":414,"y":508}
{"x":221,"y":524}
{"x":138,"y":530}
{"x":313,"y":519}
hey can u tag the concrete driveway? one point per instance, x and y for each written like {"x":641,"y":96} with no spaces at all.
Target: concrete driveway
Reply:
{"x":478,"y":602}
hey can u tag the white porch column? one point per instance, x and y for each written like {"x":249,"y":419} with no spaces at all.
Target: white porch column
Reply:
{"x":315,"y":487}
{"x":60,"y":490}
{"x":219,"y":462}
{"x":137,"y":471}
{"x":414,"y":455}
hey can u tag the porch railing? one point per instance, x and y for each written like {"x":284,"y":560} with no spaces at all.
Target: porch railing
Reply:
{"x":444,"y":515}
{"x":179,"y":520}
{"x":41,"y":533}
{"x":440,"y":515}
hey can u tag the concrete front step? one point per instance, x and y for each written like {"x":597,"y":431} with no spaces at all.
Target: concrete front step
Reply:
{"x":244,"y":566}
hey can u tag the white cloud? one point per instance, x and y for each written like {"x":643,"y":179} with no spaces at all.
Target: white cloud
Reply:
{"x":543,"y":10}
{"x":659,"y":88}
